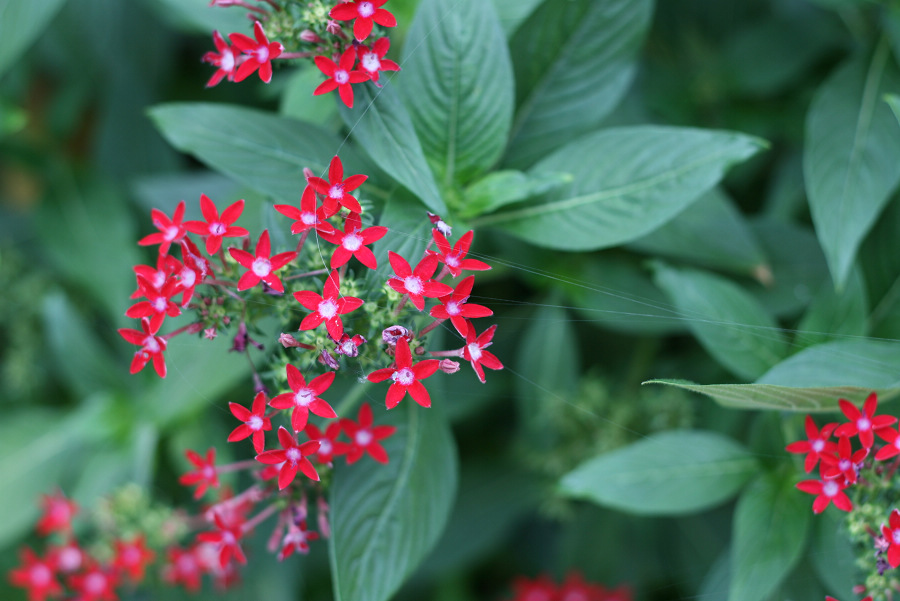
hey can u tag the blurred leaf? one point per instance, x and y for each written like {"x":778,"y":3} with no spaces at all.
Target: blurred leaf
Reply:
{"x":165,"y":191}
{"x":382,"y":125}
{"x":20,"y":24}
{"x":626,"y":182}
{"x":852,"y":149}
{"x":832,"y":554}
{"x":711,"y":232}
{"x":12,"y":118}
{"x":893,"y":101}
{"x":834,"y":315}
{"x":298,"y":101}
{"x":512,"y":12}
{"x":198,"y":16}
{"x":458,"y":86}
{"x":670,"y":473}
{"x":385,"y":519}
{"x":880,"y":261}
{"x":770,"y":526}
{"x":718,"y":579}
{"x":501,"y":188}
{"x":729,"y":323}
{"x":573,"y":61}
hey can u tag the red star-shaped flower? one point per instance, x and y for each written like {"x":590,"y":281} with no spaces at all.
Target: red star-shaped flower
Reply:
{"x":170,"y":230}
{"x":307,"y":217}
{"x":372,"y":60}
{"x":891,"y":449}
{"x":891,"y":534}
{"x":215,"y":227}
{"x":826,"y":491}
{"x":152,"y":347}
{"x":36,"y":576}
{"x":95,"y":584}
{"x":474,"y":351}
{"x":541,"y":589}
{"x":354,"y":241}
{"x":329,"y":446}
{"x":183,"y":568}
{"x":843,"y":463}
{"x":864,"y":423}
{"x":227,"y":537}
{"x":159,"y":302}
{"x":455,"y":258}
{"x":296,"y":540}
{"x":58,"y":511}
{"x":364,"y":436}
{"x":416,"y":283}
{"x":455,"y":308}
{"x":205,"y":475}
{"x":341,"y":76}
{"x":304,"y":399}
{"x":366,"y":12}
{"x":224,"y":60}
{"x":815,"y":444}
{"x":260,"y":53}
{"x":336,"y":188}
{"x":255,"y":425}
{"x":327,"y":308}
{"x":192,"y":272}
{"x":262,"y":267}
{"x":576,"y":589}
{"x":406,"y":377}
{"x":132,"y":557}
{"x":293,"y":458}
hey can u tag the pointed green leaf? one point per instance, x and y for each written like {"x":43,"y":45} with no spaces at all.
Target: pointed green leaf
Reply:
{"x":626,"y":182}
{"x":573,"y":61}
{"x":386,"y":518}
{"x":893,"y":101}
{"x":851,"y":154}
{"x":770,"y":527}
{"x":20,"y":25}
{"x":880,"y":261}
{"x":502,"y":188}
{"x":729,"y":323}
{"x":457,"y":82}
{"x":832,"y":554}
{"x":671,"y":473}
{"x":836,"y":313}
{"x":512,"y":12}
{"x":381,"y":124}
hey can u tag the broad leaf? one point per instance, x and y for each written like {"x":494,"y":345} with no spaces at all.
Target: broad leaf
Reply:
{"x":851,"y":156}
{"x":200,"y":16}
{"x":20,"y":25}
{"x":512,"y":12}
{"x":385,"y":519}
{"x":893,"y":101}
{"x":671,"y":473}
{"x":770,"y":526}
{"x":409,"y":232}
{"x":381,"y":124}
{"x":573,"y":61}
{"x":836,"y":314}
{"x":458,"y":85}
{"x":729,"y":323}
{"x":879,"y":258}
{"x":626,"y":182}
{"x":832,"y":554}
{"x":502,"y":188}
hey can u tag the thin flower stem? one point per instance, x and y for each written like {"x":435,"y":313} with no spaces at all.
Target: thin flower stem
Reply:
{"x":259,"y":518}
{"x":429,"y":327}
{"x":237,"y":466}
{"x":215,"y":282}
{"x":400,"y":304}
{"x":301,"y":241}
{"x":290,"y":55}
{"x":306,"y":275}
{"x":456,"y":353}
{"x":192,"y":328}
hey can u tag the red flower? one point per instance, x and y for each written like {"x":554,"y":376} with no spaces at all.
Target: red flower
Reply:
{"x":349,"y":346}
{"x":183,"y":568}
{"x":166,"y":266}
{"x":815,"y":444}
{"x":296,"y":540}
{"x":891,"y":449}
{"x":416,"y":283}
{"x":455,"y":258}
{"x":36,"y":576}
{"x":827,"y":491}
{"x":152,"y":347}
{"x":892,"y":536}
{"x":406,"y":376}
{"x":96,"y":584}
{"x":576,"y":589}
{"x":227,"y":537}
{"x":304,"y":398}
{"x":132,"y":557}
{"x":224,"y":60}
{"x":255,"y":425}
{"x":58,"y":513}
{"x":215,"y":227}
{"x":307,"y":216}
{"x":353,"y":241}
{"x":341,"y":76}
{"x":259,"y":53}
{"x":373,"y":61}
{"x":474,"y":351}
{"x":170,"y":230}
{"x":192,"y":272}
{"x":864,"y":423}
{"x":830,"y":598}
{"x":159,"y":303}
{"x":205,"y":475}
{"x":327,"y":308}
{"x":293,"y":457}
{"x":365,"y":12}
{"x":844,"y":462}
{"x":364,"y":436}
{"x":454,"y":307}
{"x":336,"y":188}
{"x":261,"y":266}
{"x":541,"y":589}
{"x":66,"y":558}
{"x":329,"y":447}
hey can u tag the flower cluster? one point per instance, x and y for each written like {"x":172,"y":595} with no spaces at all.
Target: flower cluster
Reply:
{"x":313,"y":30}
{"x":574,"y":588}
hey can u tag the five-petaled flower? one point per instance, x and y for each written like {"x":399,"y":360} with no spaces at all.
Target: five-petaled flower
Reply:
{"x":366,"y":12}
{"x":227,"y":537}
{"x":891,"y":533}
{"x":327,"y":308}
{"x":205,"y":475}
{"x":95,"y":584}
{"x":304,"y":398}
{"x":217,"y":227}
{"x":170,"y":230}
{"x":365,"y":437}
{"x":815,"y":445}
{"x":262,"y":266}
{"x":292,"y":457}
{"x":329,"y":446}
{"x":455,"y":257}
{"x":296,"y":540}
{"x":474,"y":351}
{"x":58,"y":511}
{"x":336,"y":189}
{"x":307,"y":216}
{"x":132,"y":557}
{"x":341,"y":76}
{"x":865,"y":422}
{"x":225,"y":60}
{"x":152,"y":347}
{"x":372,"y":60}
{"x":255,"y":425}
{"x":416,"y":283}
{"x":892,"y":436}
{"x":455,"y":308}
{"x":259,"y":52}
{"x":353,"y":241}
{"x":158,"y":302}
{"x":406,"y":377}
{"x":826,"y":491}
{"x":36,"y":576}
{"x":844,"y":462}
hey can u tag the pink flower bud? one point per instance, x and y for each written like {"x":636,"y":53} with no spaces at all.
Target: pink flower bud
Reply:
{"x":329,"y":360}
{"x":308,"y":35}
{"x":209,"y":333}
{"x":322,"y":517}
{"x":449,"y":366}
{"x":308,"y":173}
{"x":392,"y":334}
{"x":288,"y":341}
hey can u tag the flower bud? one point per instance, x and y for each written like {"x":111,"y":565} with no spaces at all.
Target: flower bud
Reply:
{"x":307,"y":35}
{"x":392,"y":334}
{"x":329,"y":360}
{"x":448,"y":366}
{"x":288,"y":341}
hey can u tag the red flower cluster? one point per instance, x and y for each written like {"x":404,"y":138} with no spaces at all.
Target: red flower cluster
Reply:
{"x":574,"y":588}
{"x":839,"y":464}
{"x":255,"y":55}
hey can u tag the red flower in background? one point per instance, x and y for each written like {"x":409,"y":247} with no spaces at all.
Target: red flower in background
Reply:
{"x":36,"y":576}
{"x":296,"y":540}
{"x":255,"y":425}
{"x":152,"y":347}
{"x":260,"y":53}
{"x":891,"y":449}
{"x":327,"y":308}
{"x":366,"y":13}
{"x":304,"y":398}
{"x":217,"y":227}
{"x":843,"y":463}
{"x":329,"y":446}
{"x":205,"y":475}
{"x":224,"y":60}
{"x":341,"y":76}
{"x":183,"y":568}
{"x":132,"y":557}
{"x":406,"y":377}
{"x":542,"y":589}
{"x":262,"y":267}
{"x":865,"y":422}
{"x":95,"y":584}
{"x":58,"y":511}
{"x":826,"y":491}
{"x":815,"y":445}
{"x":372,"y":61}
{"x":227,"y":537}
{"x":365,"y":437}
{"x":292,"y":456}
{"x":891,"y":534}
{"x":335,"y":189}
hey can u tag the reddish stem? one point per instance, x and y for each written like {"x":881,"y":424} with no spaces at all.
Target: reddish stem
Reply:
{"x":455,"y":353}
{"x":290,"y":55}
{"x":191,"y":328}
{"x":429,"y":327}
{"x":259,"y":518}
{"x":237,"y":466}
{"x":306,"y":275}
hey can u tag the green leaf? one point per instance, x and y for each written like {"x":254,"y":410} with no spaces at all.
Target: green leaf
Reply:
{"x":688,"y":237}
{"x":385,"y":519}
{"x":573,"y":61}
{"x":458,"y":85}
{"x":836,"y":314}
{"x":299,"y":103}
{"x":261,"y":150}
{"x":893,"y":101}
{"x":670,"y":473}
{"x":626,"y":182}
{"x":880,"y":261}
{"x":852,"y":149}
{"x":512,"y":12}
{"x":832,"y":554}
{"x":502,"y":188}
{"x":381,"y":124}
{"x":200,"y":17}
{"x":770,"y":526}
{"x":729,"y":323}
{"x":20,"y":25}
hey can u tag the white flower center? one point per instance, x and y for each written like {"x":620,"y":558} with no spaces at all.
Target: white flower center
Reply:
{"x":308,"y":218}
{"x":227,"y":61}
{"x":818,"y":445}
{"x":159,"y":304}
{"x":413,"y":284}
{"x":262,"y":54}
{"x":452,"y":261}
{"x":217,"y":228}
{"x":352,"y":242}
{"x":304,"y":397}
{"x":366,"y":9}
{"x":255,"y":422}
{"x":844,"y":465}
{"x":474,"y":351}
{"x":188,"y":278}
{"x":131,"y":556}
{"x":171,"y":233}
{"x":325,"y":446}
{"x":363,"y":438}
{"x":896,"y":536}
{"x":327,"y":309}
{"x":151,"y":345}
{"x":228,"y":538}
{"x":341,"y":77}
{"x":41,"y":575}
{"x":403,"y":377}
{"x":159,"y":278}
{"x":69,"y":559}
{"x":186,"y":564}
{"x":370,"y":62}
{"x":261,"y":267}
{"x":209,"y":472}
{"x":95,"y":583}
{"x":863,"y":424}
{"x":453,"y":308}
{"x":336,"y":191}
{"x":830,"y":488}
{"x":293,"y":455}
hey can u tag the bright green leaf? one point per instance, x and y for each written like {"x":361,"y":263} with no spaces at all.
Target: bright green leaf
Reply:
{"x":386,"y":518}
{"x":20,"y":25}
{"x":502,"y":188}
{"x":851,"y":155}
{"x":458,"y":86}
{"x":573,"y":61}
{"x":670,"y":473}
{"x":626,"y":182}
{"x":770,"y":526}
{"x":729,"y":323}
{"x":836,"y":314}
